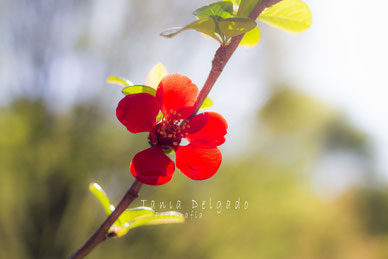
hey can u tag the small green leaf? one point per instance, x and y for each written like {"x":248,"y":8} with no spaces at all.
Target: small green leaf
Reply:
{"x":159,"y":218}
{"x":234,"y":2}
{"x":155,"y":75}
{"x":251,"y":38}
{"x":246,"y":7}
{"x":169,"y":151}
{"x":289,"y":15}
{"x":159,"y":117}
{"x":135,"y":89}
{"x":102,"y":197}
{"x":234,"y":26}
{"x":219,"y":9}
{"x":206,"y":103}
{"x":118,"y":81}
{"x":131,"y":214}
{"x":204,"y":25}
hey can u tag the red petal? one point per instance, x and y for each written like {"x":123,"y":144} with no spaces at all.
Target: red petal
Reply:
{"x":177,"y":93}
{"x":199,"y":160}
{"x":138,"y":112}
{"x":152,"y":166}
{"x":209,"y":126}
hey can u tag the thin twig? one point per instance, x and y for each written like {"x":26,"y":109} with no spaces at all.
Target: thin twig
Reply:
{"x":221,"y":57}
{"x":224,"y":53}
{"x":102,"y":232}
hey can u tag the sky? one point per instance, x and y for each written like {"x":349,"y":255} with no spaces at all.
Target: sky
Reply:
{"x":342,"y":60}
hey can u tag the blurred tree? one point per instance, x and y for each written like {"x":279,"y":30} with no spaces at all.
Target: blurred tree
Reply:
{"x":47,"y":160}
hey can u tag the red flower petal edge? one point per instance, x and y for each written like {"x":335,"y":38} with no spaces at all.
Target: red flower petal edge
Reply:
{"x":208,"y":126}
{"x":138,"y":112}
{"x":177,"y":95}
{"x":199,"y":160}
{"x":152,"y":166}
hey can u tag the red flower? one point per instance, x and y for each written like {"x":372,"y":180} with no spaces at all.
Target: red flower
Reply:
{"x":175,"y":98}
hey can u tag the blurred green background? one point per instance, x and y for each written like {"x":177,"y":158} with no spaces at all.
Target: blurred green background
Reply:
{"x":307,"y":172}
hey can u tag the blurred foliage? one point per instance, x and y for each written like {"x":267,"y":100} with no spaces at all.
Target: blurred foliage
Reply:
{"x":47,"y":160}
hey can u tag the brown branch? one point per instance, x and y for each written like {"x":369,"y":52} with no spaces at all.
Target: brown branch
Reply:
{"x":102,"y":232}
{"x":221,"y":57}
{"x":224,"y":53}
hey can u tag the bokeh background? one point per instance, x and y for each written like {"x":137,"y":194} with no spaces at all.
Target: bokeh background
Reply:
{"x":306,"y":147}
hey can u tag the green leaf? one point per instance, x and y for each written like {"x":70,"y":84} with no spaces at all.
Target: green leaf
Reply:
{"x":135,"y":89}
{"x":234,"y":2}
{"x":204,"y":25}
{"x":159,"y":117}
{"x":219,"y":9}
{"x":155,"y":75}
{"x":102,"y":197}
{"x":206,"y":103}
{"x":118,"y":81}
{"x":134,"y":213}
{"x":160,"y":218}
{"x":251,"y":38}
{"x":234,"y":26}
{"x":157,"y":219}
{"x":289,"y":15}
{"x":246,"y":7}
{"x":169,"y":151}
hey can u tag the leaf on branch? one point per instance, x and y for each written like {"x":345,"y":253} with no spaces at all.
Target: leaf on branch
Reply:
{"x":134,"y":217}
{"x":155,"y":75}
{"x":99,"y":193}
{"x":246,"y":7}
{"x":131,"y":214}
{"x":235,"y":26}
{"x":206,"y":103}
{"x":219,"y":9}
{"x":168,"y":217}
{"x":204,"y":25}
{"x":251,"y":38}
{"x":118,"y":81}
{"x":289,"y":15}
{"x":136,"y":89}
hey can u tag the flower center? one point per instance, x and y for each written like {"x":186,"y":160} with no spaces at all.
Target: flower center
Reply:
{"x":168,"y":133}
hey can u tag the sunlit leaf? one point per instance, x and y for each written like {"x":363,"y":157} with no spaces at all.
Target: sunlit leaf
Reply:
{"x":131,"y":214}
{"x":246,"y":7}
{"x":159,"y":117}
{"x":251,"y":38}
{"x":234,"y":2}
{"x":118,"y":81}
{"x":169,"y":151}
{"x":102,"y":197}
{"x":219,"y":9}
{"x":159,"y":218}
{"x":135,"y":89}
{"x":155,"y":75}
{"x":204,"y":25}
{"x":206,"y":103}
{"x":234,"y":26}
{"x":134,"y":217}
{"x":169,"y":217}
{"x":289,"y":15}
